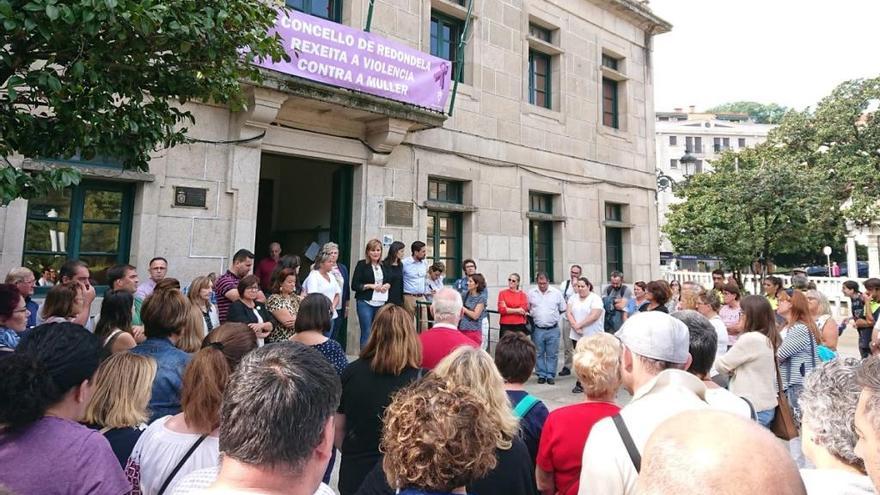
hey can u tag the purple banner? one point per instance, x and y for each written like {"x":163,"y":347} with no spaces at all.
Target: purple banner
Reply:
{"x":338,"y":55}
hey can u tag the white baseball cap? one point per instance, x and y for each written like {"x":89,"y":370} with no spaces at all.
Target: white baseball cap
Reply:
{"x":656,"y":335}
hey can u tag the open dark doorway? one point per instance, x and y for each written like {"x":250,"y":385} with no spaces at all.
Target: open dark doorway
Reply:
{"x":304,"y":201}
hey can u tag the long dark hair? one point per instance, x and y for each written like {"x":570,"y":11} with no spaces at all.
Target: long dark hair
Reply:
{"x":115,"y":312}
{"x":393,"y":249}
{"x":759,"y":317}
{"x":48,"y":362}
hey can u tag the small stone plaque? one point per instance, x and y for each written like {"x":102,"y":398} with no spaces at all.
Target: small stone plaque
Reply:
{"x":193,"y":197}
{"x":398,"y":213}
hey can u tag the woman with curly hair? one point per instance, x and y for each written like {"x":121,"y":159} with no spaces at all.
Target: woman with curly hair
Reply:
{"x":474,"y":368}
{"x":438,"y":438}
{"x":828,"y":402}
{"x":46,"y":385}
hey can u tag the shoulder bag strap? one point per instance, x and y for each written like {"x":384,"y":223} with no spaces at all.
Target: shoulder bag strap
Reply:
{"x":779,"y":376}
{"x":631,"y":449}
{"x":524,"y":406}
{"x":752,"y":413}
{"x":180,"y":464}
{"x":105,"y":429}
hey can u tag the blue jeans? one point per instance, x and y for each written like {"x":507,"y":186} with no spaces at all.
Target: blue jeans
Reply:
{"x":366,"y":313}
{"x":547,"y":342}
{"x":766,"y":417}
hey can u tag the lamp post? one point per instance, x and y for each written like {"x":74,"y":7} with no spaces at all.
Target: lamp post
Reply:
{"x":665,"y":182}
{"x":687,"y":161}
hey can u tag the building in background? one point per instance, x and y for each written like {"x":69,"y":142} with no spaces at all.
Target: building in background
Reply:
{"x":548,"y":159}
{"x":705,"y":136}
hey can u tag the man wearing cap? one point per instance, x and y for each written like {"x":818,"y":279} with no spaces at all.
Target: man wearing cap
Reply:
{"x":654,"y":355}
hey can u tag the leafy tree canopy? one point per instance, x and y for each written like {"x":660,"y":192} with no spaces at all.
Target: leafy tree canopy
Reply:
{"x":792,"y":194}
{"x":108,"y":77}
{"x":770,"y":113}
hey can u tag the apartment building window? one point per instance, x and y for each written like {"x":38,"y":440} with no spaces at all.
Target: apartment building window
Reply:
{"x":716,"y":144}
{"x":673,"y":163}
{"x":540,"y":82}
{"x":698,"y":169}
{"x":325,"y":9}
{"x":689,"y":144}
{"x":90,"y":222}
{"x":540,"y":236}
{"x":444,"y":233}
{"x":613,"y":238}
{"x":741,"y":142}
{"x":613,"y":90}
{"x":725,"y":143}
{"x":673,"y":140}
{"x":445,"y":35}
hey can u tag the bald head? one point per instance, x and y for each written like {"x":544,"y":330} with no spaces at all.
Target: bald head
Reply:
{"x":447,"y":306}
{"x":700,"y":452}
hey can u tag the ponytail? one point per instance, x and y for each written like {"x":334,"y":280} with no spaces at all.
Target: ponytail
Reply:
{"x":49,"y":362}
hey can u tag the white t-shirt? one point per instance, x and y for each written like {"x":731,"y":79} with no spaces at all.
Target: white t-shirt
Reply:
{"x":580,"y":309}
{"x":316,"y":284}
{"x":724,"y":400}
{"x":159,"y":449}
{"x":379,"y":298}
{"x":723,"y":337}
{"x":199,"y":481}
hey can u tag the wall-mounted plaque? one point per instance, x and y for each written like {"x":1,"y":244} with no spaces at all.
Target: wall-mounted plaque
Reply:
{"x":398,"y":213}
{"x":193,"y":197}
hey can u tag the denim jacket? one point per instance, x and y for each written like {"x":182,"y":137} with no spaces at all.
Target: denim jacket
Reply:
{"x":169,"y":375}
{"x":8,"y":338}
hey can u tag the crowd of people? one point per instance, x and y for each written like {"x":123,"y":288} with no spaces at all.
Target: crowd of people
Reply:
{"x":237,"y":384}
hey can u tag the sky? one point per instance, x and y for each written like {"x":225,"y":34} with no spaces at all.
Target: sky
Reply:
{"x":791,"y":52}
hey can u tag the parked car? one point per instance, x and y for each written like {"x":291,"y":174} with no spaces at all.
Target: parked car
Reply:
{"x":862,"y":269}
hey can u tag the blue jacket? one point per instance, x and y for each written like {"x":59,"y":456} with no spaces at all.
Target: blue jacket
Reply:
{"x":169,"y":375}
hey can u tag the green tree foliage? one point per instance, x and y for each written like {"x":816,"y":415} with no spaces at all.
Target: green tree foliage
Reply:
{"x":770,"y":113}
{"x":754,"y":204}
{"x":108,"y":77}
{"x":793,"y":194}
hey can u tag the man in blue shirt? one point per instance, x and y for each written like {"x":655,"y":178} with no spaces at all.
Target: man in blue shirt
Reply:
{"x":415,"y":277}
{"x":469,"y":267}
{"x":25,"y":280}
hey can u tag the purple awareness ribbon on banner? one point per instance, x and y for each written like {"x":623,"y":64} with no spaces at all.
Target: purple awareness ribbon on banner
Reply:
{"x":440,"y":75}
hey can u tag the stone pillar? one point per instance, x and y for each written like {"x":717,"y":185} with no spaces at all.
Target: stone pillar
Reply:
{"x":873,"y":255}
{"x":852,"y":260}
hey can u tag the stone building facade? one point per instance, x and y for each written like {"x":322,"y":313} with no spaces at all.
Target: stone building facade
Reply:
{"x":547,"y":160}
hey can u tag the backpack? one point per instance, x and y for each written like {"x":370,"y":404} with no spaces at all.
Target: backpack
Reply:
{"x":524,"y":406}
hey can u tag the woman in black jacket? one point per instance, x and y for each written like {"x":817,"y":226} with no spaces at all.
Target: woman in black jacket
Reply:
{"x":250,"y":311}
{"x":370,"y":284}
{"x":394,"y":272}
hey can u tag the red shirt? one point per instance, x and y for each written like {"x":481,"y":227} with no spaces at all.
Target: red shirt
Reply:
{"x":439,"y":342}
{"x":563,"y":438}
{"x":264,"y":272}
{"x":512,"y":300}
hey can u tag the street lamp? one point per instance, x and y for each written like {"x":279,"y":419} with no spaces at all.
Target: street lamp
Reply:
{"x":665,"y":182}
{"x":687,"y":161}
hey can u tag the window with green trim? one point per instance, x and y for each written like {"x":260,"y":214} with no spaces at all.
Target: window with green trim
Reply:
{"x":90,"y":222}
{"x":610,"y":62}
{"x":540,"y":33}
{"x":539,"y":79}
{"x":444,"y":241}
{"x":446,"y":191}
{"x":445,"y":35}
{"x":610,"y":111}
{"x":540,"y":202}
{"x":325,"y":9}
{"x":613,"y":239}
{"x":541,"y":248}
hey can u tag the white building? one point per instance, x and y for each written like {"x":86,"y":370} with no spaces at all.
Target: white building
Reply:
{"x":705,"y":136}
{"x":547,"y":160}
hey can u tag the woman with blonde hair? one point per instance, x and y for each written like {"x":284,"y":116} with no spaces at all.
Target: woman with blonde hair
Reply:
{"x":199,"y":294}
{"x":193,"y":331}
{"x":173,"y":446}
{"x":820,"y":310}
{"x":597,"y":366}
{"x":438,"y":438}
{"x":389,"y":362}
{"x":369,"y":281}
{"x":473,"y":368}
{"x":118,"y":407}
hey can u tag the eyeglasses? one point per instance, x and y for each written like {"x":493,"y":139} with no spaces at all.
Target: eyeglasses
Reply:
{"x":513,"y":280}
{"x":22,"y":310}
{"x":254,"y":287}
